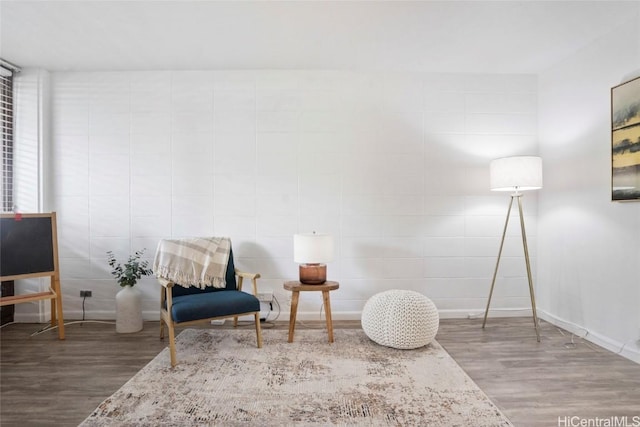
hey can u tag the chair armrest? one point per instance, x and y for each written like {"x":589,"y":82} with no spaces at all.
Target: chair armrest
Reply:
{"x":254,"y":280}
{"x":165,"y":283}
{"x":246,"y":275}
{"x":166,"y":301}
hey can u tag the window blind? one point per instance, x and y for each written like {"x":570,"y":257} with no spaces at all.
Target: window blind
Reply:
{"x":6,"y":121}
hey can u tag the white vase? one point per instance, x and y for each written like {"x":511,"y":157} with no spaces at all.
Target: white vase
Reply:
{"x":128,"y":310}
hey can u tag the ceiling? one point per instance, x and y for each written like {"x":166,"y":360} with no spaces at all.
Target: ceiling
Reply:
{"x":426,"y":36}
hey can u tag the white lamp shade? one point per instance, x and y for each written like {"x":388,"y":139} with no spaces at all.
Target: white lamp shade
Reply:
{"x":312,"y":248}
{"x":517,"y":173}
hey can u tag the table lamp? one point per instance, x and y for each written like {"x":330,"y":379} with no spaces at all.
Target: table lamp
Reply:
{"x":312,"y":251}
{"x":516,"y":174}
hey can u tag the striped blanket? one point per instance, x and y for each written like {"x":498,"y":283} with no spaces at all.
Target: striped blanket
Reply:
{"x":196,"y":262}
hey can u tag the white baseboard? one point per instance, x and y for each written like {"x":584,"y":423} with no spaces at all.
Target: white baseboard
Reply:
{"x":479,"y":313}
{"x":284,"y":315}
{"x":30,"y":318}
{"x":629,"y":350}
{"x":73,"y":315}
{"x":444,"y":314}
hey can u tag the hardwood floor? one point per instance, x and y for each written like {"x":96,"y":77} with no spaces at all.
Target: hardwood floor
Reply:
{"x":536,"y":383}
{"x":45,"y":381}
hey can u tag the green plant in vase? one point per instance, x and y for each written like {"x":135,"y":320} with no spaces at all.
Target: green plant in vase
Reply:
{"x":129,"y":300}
{"x":130,"y":272}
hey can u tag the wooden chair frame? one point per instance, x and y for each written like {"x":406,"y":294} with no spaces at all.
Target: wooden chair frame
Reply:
{"x":166,"y":301}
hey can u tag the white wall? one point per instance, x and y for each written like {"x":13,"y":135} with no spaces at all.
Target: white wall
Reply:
{"x":394,"y":165}
{"x":589,"y":247}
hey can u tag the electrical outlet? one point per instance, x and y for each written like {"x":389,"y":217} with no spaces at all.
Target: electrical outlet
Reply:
{"x":85,"y":294}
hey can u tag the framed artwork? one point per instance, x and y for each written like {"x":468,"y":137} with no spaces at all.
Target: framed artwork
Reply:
{"x":625,"y":141}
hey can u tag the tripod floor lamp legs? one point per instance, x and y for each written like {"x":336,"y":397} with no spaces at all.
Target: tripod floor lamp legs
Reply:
{"x":526,"y":258}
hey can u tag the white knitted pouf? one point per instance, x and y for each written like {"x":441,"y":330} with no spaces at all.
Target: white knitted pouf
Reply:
{"x":400,"y":319}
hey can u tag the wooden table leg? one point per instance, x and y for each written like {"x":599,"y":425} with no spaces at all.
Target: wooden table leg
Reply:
{"x":294,"y":311}
{"x":327,"y":311}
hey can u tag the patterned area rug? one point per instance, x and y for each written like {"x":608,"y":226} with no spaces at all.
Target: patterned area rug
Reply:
{"x":223,"y":379}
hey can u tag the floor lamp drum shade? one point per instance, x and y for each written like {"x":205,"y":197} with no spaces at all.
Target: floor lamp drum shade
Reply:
{"x":517,"y":173}
{"x":312,"y":251}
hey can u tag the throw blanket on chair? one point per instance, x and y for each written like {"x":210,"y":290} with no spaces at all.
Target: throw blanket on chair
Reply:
{"x":199,"y":262}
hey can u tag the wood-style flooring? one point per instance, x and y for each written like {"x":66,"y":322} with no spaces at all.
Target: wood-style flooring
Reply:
{"x":47,"y":382}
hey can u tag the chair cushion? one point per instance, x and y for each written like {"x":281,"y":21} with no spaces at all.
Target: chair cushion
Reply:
{"x":204,"y":305}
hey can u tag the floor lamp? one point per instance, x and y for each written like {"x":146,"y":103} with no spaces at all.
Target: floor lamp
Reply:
{"x":516,"y":174}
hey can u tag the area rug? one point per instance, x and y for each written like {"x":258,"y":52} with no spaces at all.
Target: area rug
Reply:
{"x":223,"y":379}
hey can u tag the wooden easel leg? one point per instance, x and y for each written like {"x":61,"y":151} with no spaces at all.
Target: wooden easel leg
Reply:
{"x":60,"y":319}
{"x":57,"y":313}
{"x":53,"y":312}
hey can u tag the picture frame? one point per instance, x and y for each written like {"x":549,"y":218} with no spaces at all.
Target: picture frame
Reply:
{"x":625,"y":141}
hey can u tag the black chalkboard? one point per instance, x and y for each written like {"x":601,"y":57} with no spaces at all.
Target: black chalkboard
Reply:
{"x":27,"y":245}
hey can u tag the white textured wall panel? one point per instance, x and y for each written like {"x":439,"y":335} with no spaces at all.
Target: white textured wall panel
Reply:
{"x":394,"y":165}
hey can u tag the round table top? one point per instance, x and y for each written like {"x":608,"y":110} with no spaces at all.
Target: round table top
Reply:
{"x":295,"y":285}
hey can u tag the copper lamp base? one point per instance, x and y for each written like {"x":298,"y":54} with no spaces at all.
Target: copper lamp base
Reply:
{"x":313,"y":274}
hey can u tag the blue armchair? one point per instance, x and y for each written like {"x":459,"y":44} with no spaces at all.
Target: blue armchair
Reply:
{"x":180,"y":306}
